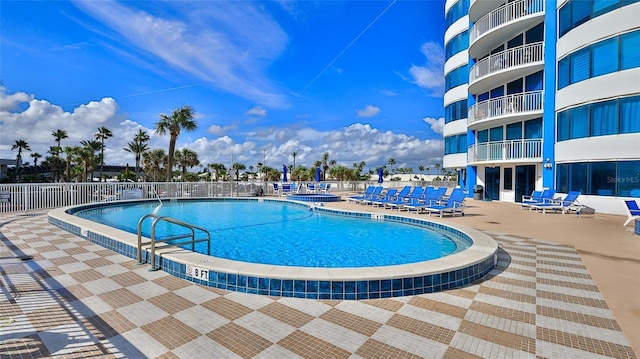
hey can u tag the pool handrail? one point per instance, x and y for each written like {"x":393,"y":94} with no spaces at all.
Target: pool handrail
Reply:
{"x":153,"y":241}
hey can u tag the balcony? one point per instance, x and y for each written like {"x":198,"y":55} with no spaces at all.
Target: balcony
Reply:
{"x":502,"y":23}
{"x":520,"y":106}
{"x":503,"y":66}
{"x":506,"y":151}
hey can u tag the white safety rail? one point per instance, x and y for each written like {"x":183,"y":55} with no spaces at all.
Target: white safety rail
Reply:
{"x":505,"y":105}
{"x":509,"y":58}
{"x":513,"y":150}
{"x":504,"y":14}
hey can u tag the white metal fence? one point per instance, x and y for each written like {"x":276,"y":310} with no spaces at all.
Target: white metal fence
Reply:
{"x":34,"y":196}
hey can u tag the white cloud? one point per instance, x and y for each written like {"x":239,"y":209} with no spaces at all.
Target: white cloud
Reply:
{"x":369,"y":111}
{"x":347,"y":145}
{"x":436,"y":124}
{"x":430,"y":76}
{"x":228,"y":45}
{"x":220,"y":130}
{"x":257,"y":111}
{"x":13,"y":101}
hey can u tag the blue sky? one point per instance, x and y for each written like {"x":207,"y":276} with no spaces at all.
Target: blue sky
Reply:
{"x":361,"y":80}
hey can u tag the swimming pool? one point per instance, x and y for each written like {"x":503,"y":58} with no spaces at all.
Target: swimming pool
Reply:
{"x":455,"y":270}
{"x":287,"y":234}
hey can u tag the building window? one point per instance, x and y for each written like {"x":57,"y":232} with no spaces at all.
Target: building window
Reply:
{"x":610,"y":178}
{"x":629,"y":54}
{"x":508,"y":178}
{"x":457,"y":44}
{"x":456,"y":77}
{"x":576,"y":12}
{"x":455,"y":111}
{"x":455,"y":144}
{"x":457,"y":11}
{"x":599,"y":59}
{"x":602,"y":118}
{"x":630,"y":114}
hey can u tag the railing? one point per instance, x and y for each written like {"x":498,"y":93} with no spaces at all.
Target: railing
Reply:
{"x":500,"y":16}
{"x":34,"y":196}
{"x":37,"y":196}
{"x":506,"y":151}
{"x":515,"y":56}
{"x":172,"y":239}
{"x":505,"y":105}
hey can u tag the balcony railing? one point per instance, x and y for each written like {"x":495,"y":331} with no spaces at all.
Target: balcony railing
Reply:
{"x":500,"y":16}
{"x":505,"y":105}
{"x":515,"y":56}
{"x":506,"y":151}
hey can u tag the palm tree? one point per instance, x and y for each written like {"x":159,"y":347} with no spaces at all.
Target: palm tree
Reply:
{"x":186,"y":158}
{"x":59,"y":135}
{"x":294,"y":154}
{"x":152,"y":162}
{"x":102,"y":134}
{"x":326,"y":163}
{"x":218,"y":169}
{"x":392,"y":161}
{"x":88,"y":156}
{"x":181,"y":118}
{"x":70,"y":151}
{"x":20,"y":145}
{"x":35,"y":156}
{"x":237,"y":167}
{"x":138,"y":146}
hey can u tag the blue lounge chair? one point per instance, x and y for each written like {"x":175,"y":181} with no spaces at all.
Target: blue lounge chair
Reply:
{"x":324,"y":187}
{"x":409,"y":199}
{"x":375,"y":194}
{"x":633,"y":211}
{"x":383,"y":201}
{"x":311,"y":188}
{"x":565,"y":205}
{"x":431,"y":197}
{"x":453,"y":205}
{"x":276,"y":189}
{"x":535,"y":197}
{"x":547,"y":196}
{"x":382,"y":198}
{"x":356,"y":198}
{"x":286,"y":189}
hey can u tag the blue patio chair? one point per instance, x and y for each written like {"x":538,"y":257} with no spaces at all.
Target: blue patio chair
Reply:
{"x":355,"y":198}
{"x":276,"y":189}
{"x":375,"y":194}
{"x":633,"y":211}
{"x":389,"y":195}
{"x":547,"y":196}
{"x":409,"y":199}
{"x":394,"y":197}
{"x":430,"y":198}
{"x":535,"y":197}
{"x":286,"y":189}
{"x":565,"y":205}
{"x":453,"y":205}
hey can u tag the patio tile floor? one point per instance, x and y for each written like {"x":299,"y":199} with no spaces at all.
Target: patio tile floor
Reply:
{"x":61,"y":296}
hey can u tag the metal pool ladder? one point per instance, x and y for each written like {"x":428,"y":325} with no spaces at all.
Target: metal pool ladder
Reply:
{"x":192,"y":235}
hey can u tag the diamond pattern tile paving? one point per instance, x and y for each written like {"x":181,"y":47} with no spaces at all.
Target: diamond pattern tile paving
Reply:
{"x":73,"y":298}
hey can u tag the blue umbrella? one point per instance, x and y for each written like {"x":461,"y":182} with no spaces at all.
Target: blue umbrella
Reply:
{"x":380,"y":175}
{"x":284,"y":173}
{"x":317,"y":174}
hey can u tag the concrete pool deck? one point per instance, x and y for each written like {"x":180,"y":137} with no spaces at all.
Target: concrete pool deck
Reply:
{"x":564,"y":287}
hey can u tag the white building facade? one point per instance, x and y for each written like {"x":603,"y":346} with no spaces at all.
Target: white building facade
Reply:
{"x":544,"y":94}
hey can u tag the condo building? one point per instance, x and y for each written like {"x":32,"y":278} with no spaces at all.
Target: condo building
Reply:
{"x":544,"y":94}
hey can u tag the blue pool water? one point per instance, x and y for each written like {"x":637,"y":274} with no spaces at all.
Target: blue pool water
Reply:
{"x":287,"y":234}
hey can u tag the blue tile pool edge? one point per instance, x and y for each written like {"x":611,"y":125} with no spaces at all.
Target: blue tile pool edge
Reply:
{"x":462,"y":276}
